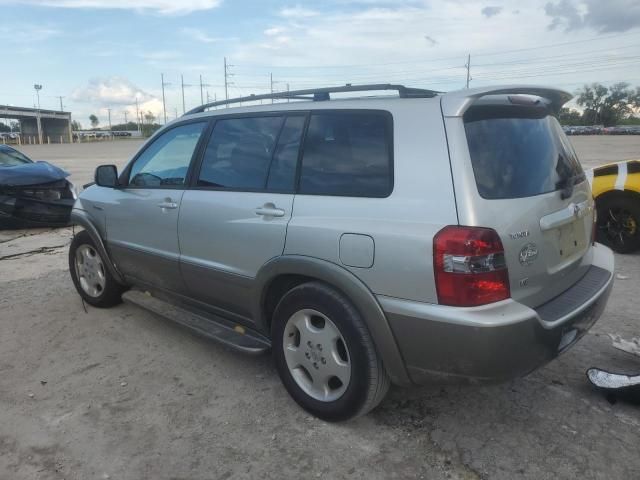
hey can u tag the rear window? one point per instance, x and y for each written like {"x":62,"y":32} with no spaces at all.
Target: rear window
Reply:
{"x":519,"y":152}
{"x":348,"y":154}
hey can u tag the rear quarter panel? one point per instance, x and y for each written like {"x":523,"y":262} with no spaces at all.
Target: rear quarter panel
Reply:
{"x":402,"y":225}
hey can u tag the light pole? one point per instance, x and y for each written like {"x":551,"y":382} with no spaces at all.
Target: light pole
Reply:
{"x":37,"y":87}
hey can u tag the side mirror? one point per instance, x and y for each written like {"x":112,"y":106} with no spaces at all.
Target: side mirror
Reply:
{"x":106,"y":176}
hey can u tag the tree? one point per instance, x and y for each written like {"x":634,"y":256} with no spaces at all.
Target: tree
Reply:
{"x":607,"y":106}
{"x":570,"y":116}
{"x":15,"y":126}
{"x":75,"y":126}
{"x":4,"y":127}
{"x":149,"y":117}
{"x":94,"y":120}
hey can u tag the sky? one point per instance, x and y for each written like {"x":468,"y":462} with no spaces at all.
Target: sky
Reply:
{"x":105,"y":54}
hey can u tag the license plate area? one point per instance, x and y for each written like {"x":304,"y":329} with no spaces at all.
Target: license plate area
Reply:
{"x":571,"y":239}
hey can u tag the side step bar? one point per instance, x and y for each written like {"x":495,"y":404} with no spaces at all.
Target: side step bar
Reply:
{"x":212,"y":327}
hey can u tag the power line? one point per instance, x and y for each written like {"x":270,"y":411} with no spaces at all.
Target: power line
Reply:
{"x":423,"y":60}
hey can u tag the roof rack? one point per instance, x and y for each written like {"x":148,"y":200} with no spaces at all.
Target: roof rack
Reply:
{"x":321,"y":94}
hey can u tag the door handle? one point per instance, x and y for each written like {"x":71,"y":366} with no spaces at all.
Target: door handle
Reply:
{"x":269,"y":210}
{"x":168,"y":204}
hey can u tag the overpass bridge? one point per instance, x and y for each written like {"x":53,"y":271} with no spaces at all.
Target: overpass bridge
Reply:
{"x":40,"y":125}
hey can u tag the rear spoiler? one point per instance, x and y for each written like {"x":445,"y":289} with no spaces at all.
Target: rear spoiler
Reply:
{"x":454,"y":104}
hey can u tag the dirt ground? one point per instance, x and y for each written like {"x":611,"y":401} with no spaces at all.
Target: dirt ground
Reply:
{"x":123,"y":394}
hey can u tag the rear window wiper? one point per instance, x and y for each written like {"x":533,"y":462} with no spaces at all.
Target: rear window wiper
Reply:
{"x":565,"y":185}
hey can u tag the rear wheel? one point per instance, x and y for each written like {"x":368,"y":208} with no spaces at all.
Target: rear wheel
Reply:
{"x":90,"y":274}
{"x":618,"y":224}
{"x":325,"y":355}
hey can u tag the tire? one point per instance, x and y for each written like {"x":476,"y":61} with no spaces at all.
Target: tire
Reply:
{"x":618,"y":224}
{"x":94,"y":282}
{"x":301,"y":315}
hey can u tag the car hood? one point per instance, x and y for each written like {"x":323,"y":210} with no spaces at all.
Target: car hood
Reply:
{"x":30,"y":174}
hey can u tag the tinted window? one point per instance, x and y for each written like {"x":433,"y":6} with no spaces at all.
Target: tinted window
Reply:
{"x":347,"y":154}
{"x":285,"y":159}
{"x":519,"y":153}
{"x":166,"y":161}
{"x":239,"y":153}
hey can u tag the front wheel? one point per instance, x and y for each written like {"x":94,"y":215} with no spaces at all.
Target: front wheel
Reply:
{"x":325,"y":355}
{"x":618,"y":224}
{"x":90,"y":274}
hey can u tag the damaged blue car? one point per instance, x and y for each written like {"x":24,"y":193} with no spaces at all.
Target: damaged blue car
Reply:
{"x":32,"y":194}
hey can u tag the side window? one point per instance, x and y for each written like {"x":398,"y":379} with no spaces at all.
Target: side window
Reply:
{"x":166,"y":161}
{"x":347,"y":154}
{"x":239,"y":153}
{"x":282,"y":172}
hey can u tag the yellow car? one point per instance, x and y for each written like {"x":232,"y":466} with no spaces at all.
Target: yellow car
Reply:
{"x":616,"y":190}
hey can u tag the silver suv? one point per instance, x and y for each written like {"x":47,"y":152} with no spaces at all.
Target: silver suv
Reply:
{"x":365,"y":241}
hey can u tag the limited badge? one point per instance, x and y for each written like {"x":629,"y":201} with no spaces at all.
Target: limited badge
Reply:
{"x":528,"y":254}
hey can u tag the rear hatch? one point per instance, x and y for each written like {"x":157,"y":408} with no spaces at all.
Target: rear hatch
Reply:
{"x":516,"y":172}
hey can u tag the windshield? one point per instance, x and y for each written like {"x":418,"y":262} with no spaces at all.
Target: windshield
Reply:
{"x":519,"y":152}
{"x":11,"y":158}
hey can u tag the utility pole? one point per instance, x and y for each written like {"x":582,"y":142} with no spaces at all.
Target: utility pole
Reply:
{"x":60,"y":97}
{"x":202,"y":85}
{"x":227,"y":74}
{"x":164,"y":105}
{"x":138,"y":116}
{"x":183,"y":85}
{"x":271,"y":86}
{"x":287,"y":93}
{"x":125,"y":117}
{"x":109,"y":113}
{"x":468,"y":66}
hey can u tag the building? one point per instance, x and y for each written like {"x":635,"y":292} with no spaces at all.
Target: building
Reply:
{"x":39,"y":125}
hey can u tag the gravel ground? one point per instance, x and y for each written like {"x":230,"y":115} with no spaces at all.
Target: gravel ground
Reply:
{"x":123,"y":394}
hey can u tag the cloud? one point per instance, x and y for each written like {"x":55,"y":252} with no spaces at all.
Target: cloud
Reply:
{"x":111,"y":91}
{"x":26,"y":33}
{"x":490,"y":11}
{"x":200,"y":35}
{"x":298,"y":12}
{"x":273,"y":31}
{"x":165,"y":7}
{"x":609,"y":16}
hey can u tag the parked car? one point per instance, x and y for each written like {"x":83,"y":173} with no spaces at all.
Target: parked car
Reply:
{"x":616,"y":189}
{"x":32,"y":194}
{"x":365,"y":241}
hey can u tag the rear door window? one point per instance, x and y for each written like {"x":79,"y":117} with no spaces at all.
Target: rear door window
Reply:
{"x":348,"y":154}
{"x":519,"y":152}
{"x":239,"y":153}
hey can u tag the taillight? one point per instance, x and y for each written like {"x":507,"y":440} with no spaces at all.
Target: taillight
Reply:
{"x":470,"y":267}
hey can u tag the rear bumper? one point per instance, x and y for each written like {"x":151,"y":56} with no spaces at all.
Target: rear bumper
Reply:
{"x":501,"y":340}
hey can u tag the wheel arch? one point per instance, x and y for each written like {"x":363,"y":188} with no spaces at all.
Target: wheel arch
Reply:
{"x":83,"y":219}
{"x":283,"y":273}
{"x":611,"y":194}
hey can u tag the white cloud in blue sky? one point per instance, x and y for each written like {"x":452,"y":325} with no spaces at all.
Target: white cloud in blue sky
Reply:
{"x":102,"y":53}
